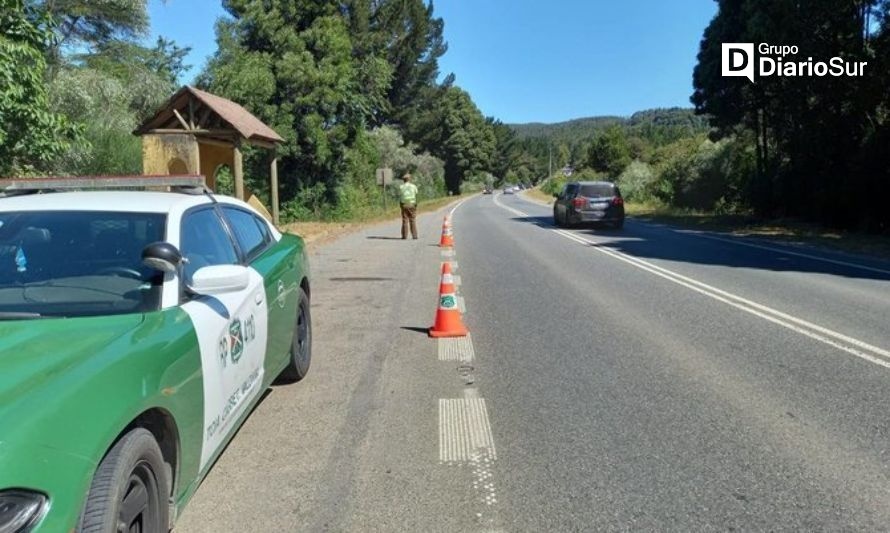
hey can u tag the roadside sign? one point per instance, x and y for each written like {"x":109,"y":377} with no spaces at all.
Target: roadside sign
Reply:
{"x":384,"y":176}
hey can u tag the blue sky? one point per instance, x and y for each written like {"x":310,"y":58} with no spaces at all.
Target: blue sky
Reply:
{"x":531,"y":61}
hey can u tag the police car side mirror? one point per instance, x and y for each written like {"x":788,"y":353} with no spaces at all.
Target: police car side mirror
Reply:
{"x":162,"y":256}
{"x":219,"y":279}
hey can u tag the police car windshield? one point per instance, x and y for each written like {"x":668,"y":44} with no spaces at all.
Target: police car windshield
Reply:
{"x":77,"y":263}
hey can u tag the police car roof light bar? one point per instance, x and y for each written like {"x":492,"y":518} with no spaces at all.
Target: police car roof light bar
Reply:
{"x":191,"y":184}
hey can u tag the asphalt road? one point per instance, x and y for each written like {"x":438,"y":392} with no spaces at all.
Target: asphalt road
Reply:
{"x":642,"y":379}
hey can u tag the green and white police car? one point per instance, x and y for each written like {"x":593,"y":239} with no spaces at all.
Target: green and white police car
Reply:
{"x":137,"y":331}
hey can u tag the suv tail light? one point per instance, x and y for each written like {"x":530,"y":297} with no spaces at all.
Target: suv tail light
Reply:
{"x":579,"y":202}
{"x":617,"y":201}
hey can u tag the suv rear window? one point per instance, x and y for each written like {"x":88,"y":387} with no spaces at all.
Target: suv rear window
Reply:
{"x":598,"y":190}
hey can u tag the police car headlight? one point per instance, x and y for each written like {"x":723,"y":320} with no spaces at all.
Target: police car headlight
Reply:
{"x":20,"y":510}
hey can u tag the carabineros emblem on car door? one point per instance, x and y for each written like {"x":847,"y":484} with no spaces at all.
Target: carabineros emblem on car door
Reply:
{"x":236,"y":340}
{"x":238,"y":335}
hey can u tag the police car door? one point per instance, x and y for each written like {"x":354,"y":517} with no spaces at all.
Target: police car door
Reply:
{"x":231,"y":329}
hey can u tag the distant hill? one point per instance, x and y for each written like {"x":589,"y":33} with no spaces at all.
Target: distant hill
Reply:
{"x":675,"y":122}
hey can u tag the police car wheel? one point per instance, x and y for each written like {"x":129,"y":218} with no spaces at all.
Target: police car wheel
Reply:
{"x":130,"y":488}
{"x":301,"y":345}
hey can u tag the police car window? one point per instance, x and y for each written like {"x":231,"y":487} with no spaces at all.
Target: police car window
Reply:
{"x":264,"y":229}
{"x":205,"y":242}
{"x":250,"y":237}
{"x":77,"y":263}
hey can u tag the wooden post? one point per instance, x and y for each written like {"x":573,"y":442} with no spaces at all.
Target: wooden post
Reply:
{"x":238,"y":170}
{"x":274,"y":188}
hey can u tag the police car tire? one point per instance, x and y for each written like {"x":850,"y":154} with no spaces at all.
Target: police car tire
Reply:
{"x":297,"y":367}
{"x":135,"y":460}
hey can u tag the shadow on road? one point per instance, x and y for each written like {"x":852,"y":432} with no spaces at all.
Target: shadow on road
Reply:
{"x":382,"y":238}
{"x":647,"y":242}
{"x":416,"y":329}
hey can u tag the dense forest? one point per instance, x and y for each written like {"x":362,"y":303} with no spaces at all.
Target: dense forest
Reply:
{"x":821,"y":144}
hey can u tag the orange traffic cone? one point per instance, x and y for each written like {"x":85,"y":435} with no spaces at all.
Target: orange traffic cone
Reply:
{"x":448,"y":319}
{"x":447,"y":240}
{"x":446,"y":286}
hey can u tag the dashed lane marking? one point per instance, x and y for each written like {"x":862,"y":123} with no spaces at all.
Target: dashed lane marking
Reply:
{"x":457,"y":349}
{"x":456,"y":281}
{"x":462,"y":305}
{"x":465,"y":432}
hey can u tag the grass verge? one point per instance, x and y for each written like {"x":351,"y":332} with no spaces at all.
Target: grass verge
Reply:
{"x":539,"y":195}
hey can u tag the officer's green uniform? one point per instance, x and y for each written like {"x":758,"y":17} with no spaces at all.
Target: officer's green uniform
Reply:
{"x":408,"y":201}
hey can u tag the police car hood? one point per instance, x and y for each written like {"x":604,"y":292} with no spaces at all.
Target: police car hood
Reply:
{"x":35,"y":351}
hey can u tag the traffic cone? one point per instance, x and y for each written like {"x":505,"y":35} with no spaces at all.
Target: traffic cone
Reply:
{"x":448,"y":319}
{"x":447,"y":240}
{"x":446,"y":286}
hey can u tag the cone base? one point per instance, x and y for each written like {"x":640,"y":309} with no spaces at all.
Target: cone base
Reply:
{"x":436,"y":334}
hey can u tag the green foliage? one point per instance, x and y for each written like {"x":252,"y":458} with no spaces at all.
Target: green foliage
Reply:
{"x":554,"y":185}
{"x":637,"y":182}
{"x":812,"y":137}
{"x":104,"y":89}
{"x":291,"y":63}
{"x":456,"y":132}
{"x":609,"y":152}
{"x":225,"y":181}
{"x":700,"y":174}
{"x":31,"y":134}
{"x":86,"y":23}
{"x":428,"y":171}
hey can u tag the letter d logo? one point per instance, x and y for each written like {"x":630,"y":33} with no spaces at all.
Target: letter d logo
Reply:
{"x":738,"y":60}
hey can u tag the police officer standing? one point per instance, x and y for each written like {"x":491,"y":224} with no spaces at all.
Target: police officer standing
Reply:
{"x":408,"y":202}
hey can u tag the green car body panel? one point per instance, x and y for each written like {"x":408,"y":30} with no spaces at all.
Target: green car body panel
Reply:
{"x":69,"y":387}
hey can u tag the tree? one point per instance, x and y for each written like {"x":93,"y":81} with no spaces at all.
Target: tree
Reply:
{"x":291,"y":63}
{"x":609,"y":152}
{"x":456,"y":132}
{"x":88,"y":22}
{"x":413,"y":42}
{"x":808,"y":132}
{"x":30,"y":133}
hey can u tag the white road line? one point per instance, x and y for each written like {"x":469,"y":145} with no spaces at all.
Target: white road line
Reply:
{"x":456,"y":281}
{"x":464,"y":431}
{"x":453,"y":209}
{"x":457,"y":349}
{"x":739,"y":242}
{"x":812,"y":330}
{"x":448,"y":252}
{"x":461,"y":305}
{"x":822,"y":334}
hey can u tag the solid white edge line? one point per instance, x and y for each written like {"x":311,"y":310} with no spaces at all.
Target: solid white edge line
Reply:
{"x":761,"y":307}
{"x":740,"y":303}
{"x":755,"y":312}
{"x":739,"y":242}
